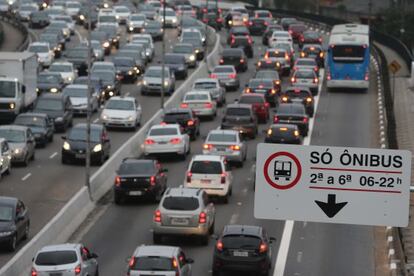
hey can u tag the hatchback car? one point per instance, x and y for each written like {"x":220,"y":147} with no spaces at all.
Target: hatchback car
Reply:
{"x":45,"y":55}
{"x":40,"y":124}
{"x":266,"y":87}
{"x":201,"y":102}
{"x":293,"y":113}
{"x":257,"y":26}
{"x":121,"y":111}
{"x":281,"y":59}
{"x":213,"y":86}
{"x":21,"y":141}
{"x":166,"y":139}
{"x":139,"y":178}
{"x":74,"y":145}
{"x":211,"y":173}
{"x":154,"y":28}
{"x":237,"y":31}
{"x":15,"y":222}
{"x":298,"y":94}
{"x":135,"y":22}
{"x":184,"y":212}
{"x":243,"y":248}
{"x":259,"y":104}
{"x":5,"y":157}
{"x":307,"y":78}
{"x":269,"y":75}
{"x":240,"y":117}
{"x":65,"y":259}
{"x":283,"y":134}
{"x":235,"y":57}
{"x":58,"y":107}
{"x":227,"y":76}
{"x":227,"y":143}
{"x":151,"y":82}
{"x":159,"y":260}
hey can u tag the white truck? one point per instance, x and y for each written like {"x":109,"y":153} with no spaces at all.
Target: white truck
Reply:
{"x":18,"y":82}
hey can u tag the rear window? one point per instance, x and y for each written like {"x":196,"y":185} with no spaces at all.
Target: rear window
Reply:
{"x":163,"y":131}
{"x":218,"y":137}
{"x":180,"y":203}
{"x":291,"y":109}
{"x":297,"y":94}
{"x":137,"y":168}
{"x":195,"y":97}
{"x":302,"y":74}
{"x":241,"y":241}
{"x":223,"y":70}
{"x":173,"y":117}
{"x":206,"y":167}
{"x":232,"y":53}
{"x":205,"y":85}
{"x":152,"y":263}
{"x":238,"y":112}
{"x":283,"y":132}
{"x":251,"y":99}
{"x":306,"y":62}
{"x":260,"y":84}
{"x":54,"y":258}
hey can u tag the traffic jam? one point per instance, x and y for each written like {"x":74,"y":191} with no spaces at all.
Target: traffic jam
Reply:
{"x":264,"y":89}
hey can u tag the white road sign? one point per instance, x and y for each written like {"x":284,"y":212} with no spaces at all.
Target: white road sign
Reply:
{"x":332,"y":184}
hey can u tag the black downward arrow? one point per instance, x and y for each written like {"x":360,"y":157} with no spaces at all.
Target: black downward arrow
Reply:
{"x":331,"y":208}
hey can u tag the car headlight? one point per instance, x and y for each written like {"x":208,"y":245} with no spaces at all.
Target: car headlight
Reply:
{"x":174,"y":20}
{"x":69,"y":78}
{"x":106,"y":44}
{"x":115,"y":40}
{"x":106,"y":5}
{"x":7,"y":233}
{"x":66,"y":146}
{"x":12,"y":105}
{"x":166,"y":83}
{"x":109,"y":86}
{"x":111,"y":93}
{"x":37,"y":90}
{"x":58,"y":119}
{"x":17,"y":151}
{"x":65,"y":33}
{"x":10,"y":2}
{"x":117,"y":16}
{"x":147,"y":53}
{"x":97,"y":148}
{"x":104,"y":117}
{"x":144,"y":82}
{"x":197,"y":51}
{"x":192,"y":57}
{"x":130,"y":72}
{"x":131,"y":118}
{"x":82,"y":17}
{"x":203,"y":39}
{"x":44,"y":5}
{"x":53,"y":90}
{"x":131,"y":28}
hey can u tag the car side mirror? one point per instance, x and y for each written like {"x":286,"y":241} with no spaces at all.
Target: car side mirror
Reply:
{"x":23,"y":89}
{"x":189,"y":261}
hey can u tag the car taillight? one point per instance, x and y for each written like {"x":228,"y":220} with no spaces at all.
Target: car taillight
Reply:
{"x":152,"y":180}
{"x":221,"y":61}
{"x":269,"y":132}
{"x":277,"y":82}
{"x":219,"y":20}
{"x":316,"y":68}
{"x":366,"y":76}
{"x":267,"y":105}
{"x":213,"y":76}
{"x":290,"y":31}
{"x":296,"y":133}
{"x":233,"y":40}
{"x":205,"y":20}
{"x":207,"y":146}
{"x":308,"y":99}
{"x":247,"y":90}
{"x":202,"y":218}
{"x":175,"y":141}
{"x":266,"y":23}
{"x":302,"y":54}
{"x":250,"y":23}
{"x":189,"y":175}
{"x":117,"y":181}
{"x":204,"y":10}
{"x":131,"y":262}
{"x":78,"y":270}
{"x":163,"y":123}
{"x":263,"y":247}
{"x":305,"y":120}
{"x":232,"y":76}
{"x":208,"y":105}
{"x":275,"y":119}
{"x":321,"y":54}
{"x":273,"y":91}
{"x":295,"y":68}
{"x":249,"y":39}
{"x":184,"y":105}
{"x":284,"y":99}
{"x":149,"y":142}
{"x":328,"y":76}
{"x":287,"y":57}
{"x":157,"y":216}
{"x":315,"y":80}
{"x":268,"y":61}
{"x":33,"y":272}
{"x":190,"y":123}
{"x":320,"y":39}
{"x":235,"y":147}
{"x":293,"y":79}
{"x":219,"y":245}
{"x":241,"y":60}
{"x":223,"y":178}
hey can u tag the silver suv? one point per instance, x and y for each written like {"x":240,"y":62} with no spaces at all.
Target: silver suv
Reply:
{"x":159,"y":260}
{"x":184,"y":211}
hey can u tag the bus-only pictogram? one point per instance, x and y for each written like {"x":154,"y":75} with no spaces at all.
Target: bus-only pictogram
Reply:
{"x":282,"y":170}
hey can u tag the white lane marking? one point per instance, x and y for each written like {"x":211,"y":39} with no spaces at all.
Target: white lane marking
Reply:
{"x":127,"y":94}
{"x":288,"y":228}
{"x":299,"y":257}
{"x":239,"y":203}
{"x":26,"y":176}
{"x":96,"y":120}
{"x":305,"y":224}
{"x":234,"y":218}
{"x":53,"y":155}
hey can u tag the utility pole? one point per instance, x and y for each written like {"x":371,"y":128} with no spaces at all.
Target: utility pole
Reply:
{"x":88,"y":106}
{"x":369,"y":13}
{"x":206,"y":46}
{"x":318,"y":6}
{"x":163,"y":56}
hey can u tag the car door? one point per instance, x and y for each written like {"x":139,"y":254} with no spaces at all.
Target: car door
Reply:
{"x":183,"y":265}
{"x":21,"y":219}
{"x":68,"y":112}
{"x":30,"y":142}
{"x":6,"y":154}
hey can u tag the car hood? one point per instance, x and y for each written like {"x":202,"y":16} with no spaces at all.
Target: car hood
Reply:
{"x":118,"y":113}
{"x":6,"y":226}
{"x":14,"y":145}
{"x":39,"y":130}
{"x":153,"y":80}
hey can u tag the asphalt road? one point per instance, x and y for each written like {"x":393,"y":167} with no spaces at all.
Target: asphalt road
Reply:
{"x":46,"y":185}
{"x":12,"y":38}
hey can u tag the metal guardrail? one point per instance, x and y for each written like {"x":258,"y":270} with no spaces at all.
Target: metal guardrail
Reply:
{"x":14,"y":21}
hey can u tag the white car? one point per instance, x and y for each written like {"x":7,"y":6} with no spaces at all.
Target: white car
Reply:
{"x":78,"y":95}
{"x":280,"y":36}
{"x":191,"y":34}
{"x":45,"y":55}
{"x":122,"y":112}
{"x":73,"y":8}
{"x":135,"y":22}
{"x":65,"y":69}
{"x":213,"y":86}
{"x":211,"y":173}
{"x":227,"y":143}
{"x":122,"y":13}
{"x":5,"y":157}
{"x":201,"y":102}
{"x":166,"y":138}
{"x":171,"y":19}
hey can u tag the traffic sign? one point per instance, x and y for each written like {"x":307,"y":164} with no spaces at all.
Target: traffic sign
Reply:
{"x":394,"y":66}
{"x":332,"y":184}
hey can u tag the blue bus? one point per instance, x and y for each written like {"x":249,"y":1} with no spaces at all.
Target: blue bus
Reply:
{"x":348,"y":57}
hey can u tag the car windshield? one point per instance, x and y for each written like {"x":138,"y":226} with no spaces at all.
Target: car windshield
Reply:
{"x":152,"y":263}
{"x":206,"y":167}
{"x":76,"y":92}
{"x":30,"y":121}
{"x":6,"y":213}
{"x":232,"y":53}
{"x":100,"y":36}
{"x":119,"y":105}
{"x":281,"y":34}
{"x":79,"y":134}
{"x":180,"y":203}
{"x":348,"y":53}
{"x":38,"y":49}
{"x":275,"y":54}
{"x":7,"y":89}
{"x":122,"y":9}
{"x":251,"y":100}
{"x":191,"y":35}
{"x":237,"y":111}
{"x":153,"y":25}
{"x":195,"y":42}
{"x":137,"y":17}
{"x":28,"y":8}
{"x":163,"y":131}
{"x":241,"y":241}
{"x":263,"y":74}
{"x":146,"y":168}
{"x":73,"y":5}
{"x":49,"y":104}
{"x":205,"y":85}
{"x":174,"y":59}
{"x":221,"y":137}
{"x":77,"y":53}
{"x":155,"y":73}
{"x":60,"y":68}
{"x":127,"y":62}
{"x":196,"y":97}
{"x":304,"y":74}
{"x":55,"y":258}
{"x":13,"y":136}
{"x":183,"y":49}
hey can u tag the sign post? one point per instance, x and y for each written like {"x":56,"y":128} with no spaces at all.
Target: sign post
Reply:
{"x":333,"y":184}
{"x":394,"y":67}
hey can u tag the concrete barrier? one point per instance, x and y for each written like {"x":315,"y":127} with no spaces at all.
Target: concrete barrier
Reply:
{"x":71,"y":216}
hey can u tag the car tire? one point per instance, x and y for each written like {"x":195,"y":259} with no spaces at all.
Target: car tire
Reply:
{"x":118,"y":198}
{"x":216,"y":273}
{"x":50,"y":138}
{"x":26,"y":161}
{"x":205,"y":239}
{"x":97,"y":271}
{"x":26,"y":231}
{"x":265,"y":273}
{"x":13,"y":243}
{"x":240,"y":164}
{"x":156,"y":238}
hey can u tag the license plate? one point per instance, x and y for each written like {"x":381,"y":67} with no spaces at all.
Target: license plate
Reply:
{"x":304,"y":81}
{"x":179,"y":221}
{"x":80,"y":155}
{"x":221,"y":149}
{"x":206,"y":181}
{"x":260,"y":91}
{"x":55,"y":274}
{"x":162,"y":143}
{"x":135,"y":193}
{"x":240,"y":254}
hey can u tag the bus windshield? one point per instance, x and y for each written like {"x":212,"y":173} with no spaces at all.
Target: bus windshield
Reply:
{"x":348,"y":53}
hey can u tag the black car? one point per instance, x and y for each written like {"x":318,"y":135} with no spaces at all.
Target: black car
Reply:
{"x":58,"y":107}
{"x":74,"y":145}
{"x":137,"y":56}
{"x":112,"y":86}
{"x":265,"y":87}
{"x":112,"y":32}
{"x":15,"y":222}
{"x":139,"y":178}
{"x":214,"y":20}
{"x":314,"y":51}
{"x":104,"y":39}
{"x":237,"y":31}
{"x":269,"y":74}
{"x":78,"y":56}
{"x":269,"y":64}
{"x":54,"y":43}
{"x":49,"y":82}
{"x":310,"y":37}
{"x":96,"y":82}
{"x":60,"y":36}
{"x":243,"y":42}
{"x":198,"y":47}
{"x":126,"y":69}
{"x":139,"y":48}
{"x":154,"y":28}
{"x":293,"y":113}
{"x":298,"y":94}
{"x":243,"y":248}
{"x":240,"y":117}
{"x":235,"y":57}
{"x":41,"y":125}
{"x":257,"y":26}
{"x":287,"y":21}
{"x":177,"y":65}
{"x":38,"y":19}
{"x":186,"y":118}
{"x":269,"y":31}
{"x":283,"y":134}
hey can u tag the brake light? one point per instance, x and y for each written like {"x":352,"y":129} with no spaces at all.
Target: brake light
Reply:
{"x":259,"y":64}
{"x":219,"y":10}
{"x":315,"y":80}
{"x":366,"y":76}
{"x":233,"y":40}
{"x":184,"y":105}
{"x":190,"y":123}
{"x":308,"y":99}
{"x":302,"y":54}
{"x":232,"y":76}
{"x":268,"y":61}
{"x":248,"y":90}
{"x":175,"y":141}
{"x":277,"y":82}
{"x":219,"y":245}
{"x":316,"y":68}
{"x":174,"y":263}
{"x":208,"y":105}
{"x":293,"y":79}
{"x":273,"y":91}
{"x":295,"y":68}
{"x":249,"y":39}
{"x":241,"y":60}
{"x":223,"y":178}
{"x":266,"y":23}
{"x":290,"y":31}
{"x":267,"y":104}
{"x":34,"y":272}
{"x":149,"y":142}
{"x":131,"y":262}
{"x":202,"y":218}
{"x":235,"y":147}
{"x":221,"y":61}
{"x":213,"y":76}
{"x":152,"y":180}
{"x":204,"y":10}
{"x":321,"y":54}
{"x":250,"y":23}
{"x":263,"y":247}
{"x":296,"y":133}
{"x":287,"y":57}
{"x":117,"y":181}
{"x":328,"y":76}
{"x":269,"y":132}
{"x":284,"y":99}
{"x":78,"y":270}
{"x":157,"y":216}
{"x":189,"y":175}
{"x":207,"y":146}
{"x":305,"y":120}
{"x":219,"y":20}
{"x":275,"y":119}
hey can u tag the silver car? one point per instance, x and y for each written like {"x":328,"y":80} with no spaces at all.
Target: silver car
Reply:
{"x":307,"y":78}
{"x":184,"y":211}
{"x":65,"y":260}
{"x":151,"y":82}
{"x":306,"y":63}
{"x":213,"y":86}
{"x":227,"y":76}
{"x":21,"y":142}
{"x":226,"y":143}
{"x":159,"y":260}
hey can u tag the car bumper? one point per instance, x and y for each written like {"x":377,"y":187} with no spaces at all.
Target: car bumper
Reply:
{"x":203,"y":112}
{"x":17,"y":158}
{"x":138,"y":192}
{"x":210,"y":191}
{"x":160,"y":149}
{"x":71,"y":155}
{"x":200,"y":230}
{"x":358,"y":84}
{"x":118,"y":123}
{"x":229,"y":82}
{"x":241,"y":263}
{"x":241,"y":129}
{"x":235,"y":156}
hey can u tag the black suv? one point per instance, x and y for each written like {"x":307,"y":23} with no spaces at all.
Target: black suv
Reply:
{"x":301,"y":95}
{"x":40,"y":124}
{"x":243,"y":248}
{"x":237,"y":31}
{"x":283,"y":134}
{"x":240,"y":117}
{"x":186,"y":118}
{"x":235,"y":57}
{"x":138,"y":178}
{"x":243,"y":42}
{"x":295,"y":114}
{"x":257,"y":26}
{"x":58,"y":107}
{"x":74,"y":145}
{"x":126,"y":69}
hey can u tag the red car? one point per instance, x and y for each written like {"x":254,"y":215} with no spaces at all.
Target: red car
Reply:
{"x":296,"y":30}
{"x":310,"y":37}
{"x":259,"y":104}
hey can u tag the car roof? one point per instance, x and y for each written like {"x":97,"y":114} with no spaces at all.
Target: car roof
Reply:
{"x":136,"y":160}
{"x":242,"y":229}
{"x":62,"y":63}
{"x":183,"y":192}
{"x":60,"y":247}
{"x":296,"y":87}
{"x":206,"y":80}
{"x":239,"y":105}
{"x":14,"y":127}
{"x":9,"y":201}
{"x":306,"y":59}
{"x":201,"y":157}
{"x":156,"y":250}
